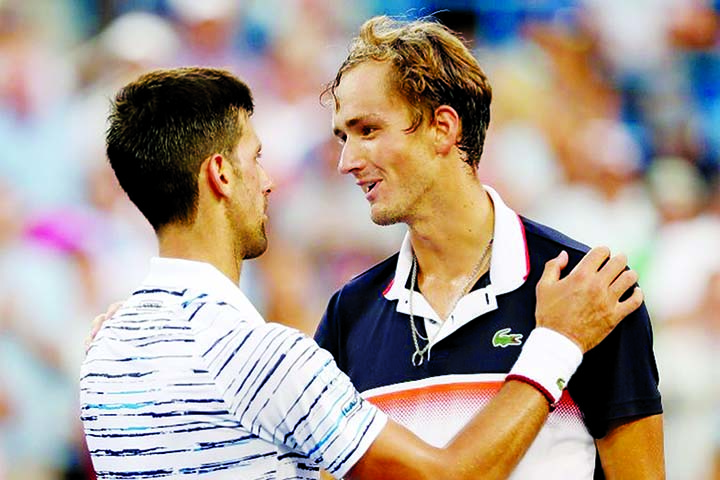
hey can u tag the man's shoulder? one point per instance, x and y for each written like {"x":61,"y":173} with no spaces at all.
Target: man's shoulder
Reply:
{"x":193,"y":308}
{"x":376,"y":277}
{"x":363,"y":291}
{"x":544,"y":242}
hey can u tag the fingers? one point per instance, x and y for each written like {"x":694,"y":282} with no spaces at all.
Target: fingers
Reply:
{"x":553,"y":267}
{"x":594,"y":259}
{"x":114,"y":307}
{"x":585,"y":305}
{"x":94,"y":329}
{"x":624,"y":281}
{"x":614,"y":267}
{"x":98,"y":321}
{"x":626,"y":307}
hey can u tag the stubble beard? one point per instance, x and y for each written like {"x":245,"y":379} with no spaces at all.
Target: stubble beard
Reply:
{"x":387,"y":215}
{"x":250,"y":241}
{"x":397,"y":212}
{"x":385,"y":219}
{"x":256,"y":242}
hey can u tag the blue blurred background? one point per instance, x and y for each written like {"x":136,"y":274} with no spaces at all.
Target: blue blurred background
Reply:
{"x":605,"y":124}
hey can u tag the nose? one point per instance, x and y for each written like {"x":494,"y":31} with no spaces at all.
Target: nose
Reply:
{"x":267,"y":183}
{"x":350,"y":158}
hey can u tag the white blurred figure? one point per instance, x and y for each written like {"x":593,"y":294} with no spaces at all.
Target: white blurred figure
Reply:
{"x":518,"y":158}
{"x":687,"y":350}
{"x":684,"y":252}
{"x":682,"y":287}
{"x":208,"y":31}
{"x":610,"y":206}
{"x":632,"y":35}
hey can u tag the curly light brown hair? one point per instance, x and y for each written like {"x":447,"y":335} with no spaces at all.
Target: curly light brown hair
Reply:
{"x":431,"y":66}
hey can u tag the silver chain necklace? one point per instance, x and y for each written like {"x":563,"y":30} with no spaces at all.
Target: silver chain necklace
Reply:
{"x":418,"y":356}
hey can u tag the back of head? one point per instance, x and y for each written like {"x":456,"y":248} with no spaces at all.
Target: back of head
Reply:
{"x":431,"y":66}
{"x":162,"y":126}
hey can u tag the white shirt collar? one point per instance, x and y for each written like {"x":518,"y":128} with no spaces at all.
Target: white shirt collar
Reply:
{"x":181,"y":274}
{"x":509,"y":265}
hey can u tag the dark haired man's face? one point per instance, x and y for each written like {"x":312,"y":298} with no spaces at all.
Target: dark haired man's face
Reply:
{"x":248,"y":210}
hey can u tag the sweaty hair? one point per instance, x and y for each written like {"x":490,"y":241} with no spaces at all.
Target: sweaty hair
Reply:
{"x":431,"y":67}
{"x":161,"y":128}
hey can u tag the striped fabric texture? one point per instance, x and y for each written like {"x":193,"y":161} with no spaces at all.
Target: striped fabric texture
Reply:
{"x":188,"y":381}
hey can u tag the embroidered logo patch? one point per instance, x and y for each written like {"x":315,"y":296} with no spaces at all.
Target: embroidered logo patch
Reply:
{"x":352,"y":406}
{"x":503,"y":338}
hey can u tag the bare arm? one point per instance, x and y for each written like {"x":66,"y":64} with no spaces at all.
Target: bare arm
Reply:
{"x":633,"y":448}
{"x":585,"y":307}
{"x":492,"y":444}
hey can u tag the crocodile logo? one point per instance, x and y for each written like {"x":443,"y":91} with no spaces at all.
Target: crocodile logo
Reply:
{"x":503,"y":338}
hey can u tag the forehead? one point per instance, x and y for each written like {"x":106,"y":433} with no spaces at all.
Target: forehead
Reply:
{"x":365,"y":90}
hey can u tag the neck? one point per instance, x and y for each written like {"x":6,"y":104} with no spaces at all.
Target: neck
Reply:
{"x":455,"y":233}
{"x":194,"y":242}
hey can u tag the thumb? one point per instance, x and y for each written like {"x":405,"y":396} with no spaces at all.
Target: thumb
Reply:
{"x":553,"y":267}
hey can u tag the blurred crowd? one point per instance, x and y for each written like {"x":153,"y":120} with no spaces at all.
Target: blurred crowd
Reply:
{"x":605,"y":125}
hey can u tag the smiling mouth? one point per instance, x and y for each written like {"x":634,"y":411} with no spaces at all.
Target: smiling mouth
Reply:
{"x":370,"y":186}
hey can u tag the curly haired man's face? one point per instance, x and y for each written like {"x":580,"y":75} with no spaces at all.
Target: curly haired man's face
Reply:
{"x":393,"y":167}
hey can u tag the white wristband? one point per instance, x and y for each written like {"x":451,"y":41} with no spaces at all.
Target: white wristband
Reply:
{"x":547,"y":361}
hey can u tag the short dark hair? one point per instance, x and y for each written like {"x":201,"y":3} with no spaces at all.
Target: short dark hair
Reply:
{"x":161,"y":128}
{"x":431,"y":66}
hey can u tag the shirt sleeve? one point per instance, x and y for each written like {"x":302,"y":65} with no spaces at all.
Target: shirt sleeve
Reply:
{"x":284,"y":388}
{"x":618,"y":378}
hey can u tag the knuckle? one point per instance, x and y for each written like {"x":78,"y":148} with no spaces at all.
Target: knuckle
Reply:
{"x":601,"y":251}
{"x":621,"y":258}
{"x":580,"y":274}
{"x":635,"y":275}
{"x":632,"y":276}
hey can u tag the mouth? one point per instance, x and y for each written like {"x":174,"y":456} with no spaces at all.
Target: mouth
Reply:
{"x":368,"y":187}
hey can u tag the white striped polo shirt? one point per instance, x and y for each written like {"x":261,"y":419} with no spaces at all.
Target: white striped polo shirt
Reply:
{"x":188,"y":381}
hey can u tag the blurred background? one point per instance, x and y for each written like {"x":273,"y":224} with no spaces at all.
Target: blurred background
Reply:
{"x":605,"y":125}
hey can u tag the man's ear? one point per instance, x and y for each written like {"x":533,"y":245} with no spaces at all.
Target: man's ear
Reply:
{"x":447,"y":129}
{"x":218,"y":173}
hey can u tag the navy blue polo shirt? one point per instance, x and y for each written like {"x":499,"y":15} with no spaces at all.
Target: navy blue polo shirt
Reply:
{"x":367,"y":329}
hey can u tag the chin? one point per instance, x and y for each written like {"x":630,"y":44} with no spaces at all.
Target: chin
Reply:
{"x":257,"y":245}
{"x":385,"y":218}
{"x":255,"y":251}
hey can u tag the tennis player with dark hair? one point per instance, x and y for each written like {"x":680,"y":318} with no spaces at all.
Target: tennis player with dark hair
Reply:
{"x":430,"y":334}
{"x":187,"y":380}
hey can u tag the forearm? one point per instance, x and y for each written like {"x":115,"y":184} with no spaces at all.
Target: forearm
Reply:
{"x":495,"y":441}
{"x":488,"y":447}
{"x":633,"y":448}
